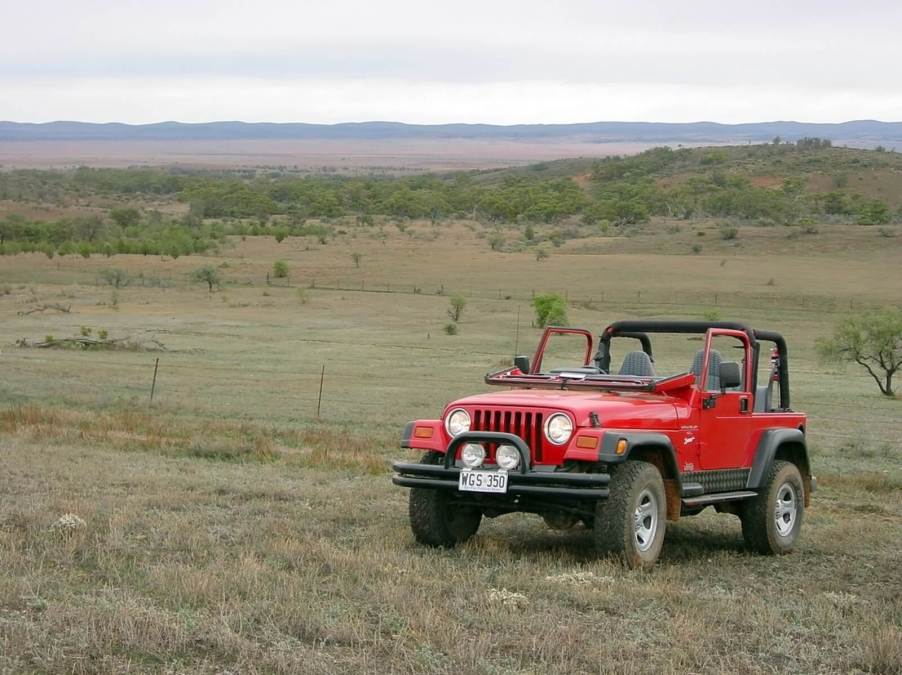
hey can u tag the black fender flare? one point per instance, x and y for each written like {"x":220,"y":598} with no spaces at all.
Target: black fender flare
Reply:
{"x":638,"y":441}
{"x":407,"y":434}
{"x":768,"y":445}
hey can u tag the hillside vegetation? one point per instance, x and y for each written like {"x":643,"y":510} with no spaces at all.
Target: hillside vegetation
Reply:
{"x":177,"y":212}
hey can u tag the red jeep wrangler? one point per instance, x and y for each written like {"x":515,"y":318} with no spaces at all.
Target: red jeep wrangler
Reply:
{"x":620,"y":451}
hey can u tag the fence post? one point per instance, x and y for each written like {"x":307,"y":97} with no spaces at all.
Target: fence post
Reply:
{"x":153,"y":385}
{"x":319,"y":400}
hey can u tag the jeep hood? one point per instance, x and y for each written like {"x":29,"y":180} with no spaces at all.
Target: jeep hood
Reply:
{"x":614,"y":409}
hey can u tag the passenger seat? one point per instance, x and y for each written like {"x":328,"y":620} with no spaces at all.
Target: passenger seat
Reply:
{"x":637,"y":364}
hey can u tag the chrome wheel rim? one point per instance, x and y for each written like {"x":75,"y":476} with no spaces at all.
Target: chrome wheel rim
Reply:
{"x":645,"y":520}
{"x":786,"y":509}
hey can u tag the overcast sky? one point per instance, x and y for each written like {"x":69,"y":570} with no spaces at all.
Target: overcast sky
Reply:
{"x":461,"y":61}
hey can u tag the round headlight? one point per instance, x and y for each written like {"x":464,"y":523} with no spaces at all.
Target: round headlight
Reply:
{"x":507,"y":457}
{"x":457,"y":422}
{"x":558,"y":428}
{"x":473,"y":455}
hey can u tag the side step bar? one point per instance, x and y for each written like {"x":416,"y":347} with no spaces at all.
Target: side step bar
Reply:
{"x":719,"y":497}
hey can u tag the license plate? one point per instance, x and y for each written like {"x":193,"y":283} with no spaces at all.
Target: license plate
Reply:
{"x":482,"y":481}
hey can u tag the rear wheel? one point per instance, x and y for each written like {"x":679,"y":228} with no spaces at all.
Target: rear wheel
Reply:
{"x":771,"y":522}
{"x":630,"y":523}
{"x":435,"y":518}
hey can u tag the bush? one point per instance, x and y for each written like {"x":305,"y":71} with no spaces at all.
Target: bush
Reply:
{"x":117,"y":278}
{"x":451,"y":328}
{"x":873,"y":213}
{"x":696,"y":248}
{"x":280,"y":269}
{"x":551,"y":310}
{"x":728,"y":232}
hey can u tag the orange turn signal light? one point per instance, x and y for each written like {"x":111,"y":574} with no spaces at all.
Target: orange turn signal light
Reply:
{"x":423,"y":432}
{"x":587,"y":442}
{"x":621,"y":446}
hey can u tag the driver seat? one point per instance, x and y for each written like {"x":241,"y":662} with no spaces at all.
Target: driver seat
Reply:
{"x":713,"y":370}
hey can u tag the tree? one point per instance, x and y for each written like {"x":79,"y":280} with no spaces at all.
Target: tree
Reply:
{"x":458,"y":302}
{"x":356,"y":257}
{"x":117,"y":278}
{"x":551,"y":310}
{"x":207,"y":274}
{"x":873,"y":341}
{"x":11,"y":228}
{"x":280,"y":269}
{"x":125,"y":217}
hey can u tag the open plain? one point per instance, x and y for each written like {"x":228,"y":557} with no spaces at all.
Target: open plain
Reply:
{"x":225,"y":527}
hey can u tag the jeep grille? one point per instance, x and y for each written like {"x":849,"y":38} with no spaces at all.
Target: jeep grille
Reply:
{"x":526,"y":425}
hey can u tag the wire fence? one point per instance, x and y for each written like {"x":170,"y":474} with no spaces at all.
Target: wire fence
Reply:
{"x":620,"y":296}
{"x":336,"y":387}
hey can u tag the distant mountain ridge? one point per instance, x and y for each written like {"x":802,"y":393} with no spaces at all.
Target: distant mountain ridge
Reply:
{"x":860,"y":131}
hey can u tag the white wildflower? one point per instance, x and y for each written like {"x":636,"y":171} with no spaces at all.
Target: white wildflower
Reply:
{"x":507,"y":598}
{"x":68,"y":524}
{"x":579,"y":578}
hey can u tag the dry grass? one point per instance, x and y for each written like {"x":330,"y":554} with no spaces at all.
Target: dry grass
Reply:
{"x":194,"y":566}
{"x":229,"y":529}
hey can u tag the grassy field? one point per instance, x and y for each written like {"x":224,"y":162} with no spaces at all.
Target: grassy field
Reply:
{"x":226,"y":528}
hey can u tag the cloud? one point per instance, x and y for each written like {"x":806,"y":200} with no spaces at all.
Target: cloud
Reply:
{"x":467,"y":61}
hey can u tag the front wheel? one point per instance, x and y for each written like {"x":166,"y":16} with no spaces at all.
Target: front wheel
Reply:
{"x":771,"y":522}
{"x":630,"y":523}
{"x":435,"y":518}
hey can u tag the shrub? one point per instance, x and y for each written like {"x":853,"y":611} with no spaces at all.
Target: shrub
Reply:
{"x":728,"y":232}
{"x":696,"y":248}
{"x":873,"y":213}
{"x":551,"y":310}
{"x":117,"y":278}
{"x":451,"y":328}
{"x":541,"y":255}
{"x":280,"y":269}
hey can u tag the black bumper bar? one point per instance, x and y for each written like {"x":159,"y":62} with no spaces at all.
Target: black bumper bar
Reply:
{"x":521,"y":481}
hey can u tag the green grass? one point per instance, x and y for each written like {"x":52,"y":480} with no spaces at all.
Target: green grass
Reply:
{"x":227,"y":528}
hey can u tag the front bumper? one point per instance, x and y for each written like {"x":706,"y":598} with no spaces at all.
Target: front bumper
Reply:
{"x":524,"y":480}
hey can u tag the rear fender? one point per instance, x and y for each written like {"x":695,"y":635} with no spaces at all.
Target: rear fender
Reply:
{"x":783,"y":443}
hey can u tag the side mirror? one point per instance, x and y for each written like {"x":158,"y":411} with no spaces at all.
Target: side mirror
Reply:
{"x":730,"y":375}
{"x":522,"y":362}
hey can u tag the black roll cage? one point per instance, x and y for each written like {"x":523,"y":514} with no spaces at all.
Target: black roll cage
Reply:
{"x":639,"y":329}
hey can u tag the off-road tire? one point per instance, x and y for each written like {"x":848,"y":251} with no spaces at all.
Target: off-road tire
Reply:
{"x":634,"y":485}
{"x":763,"y":518}
{"x":434,"y":518}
